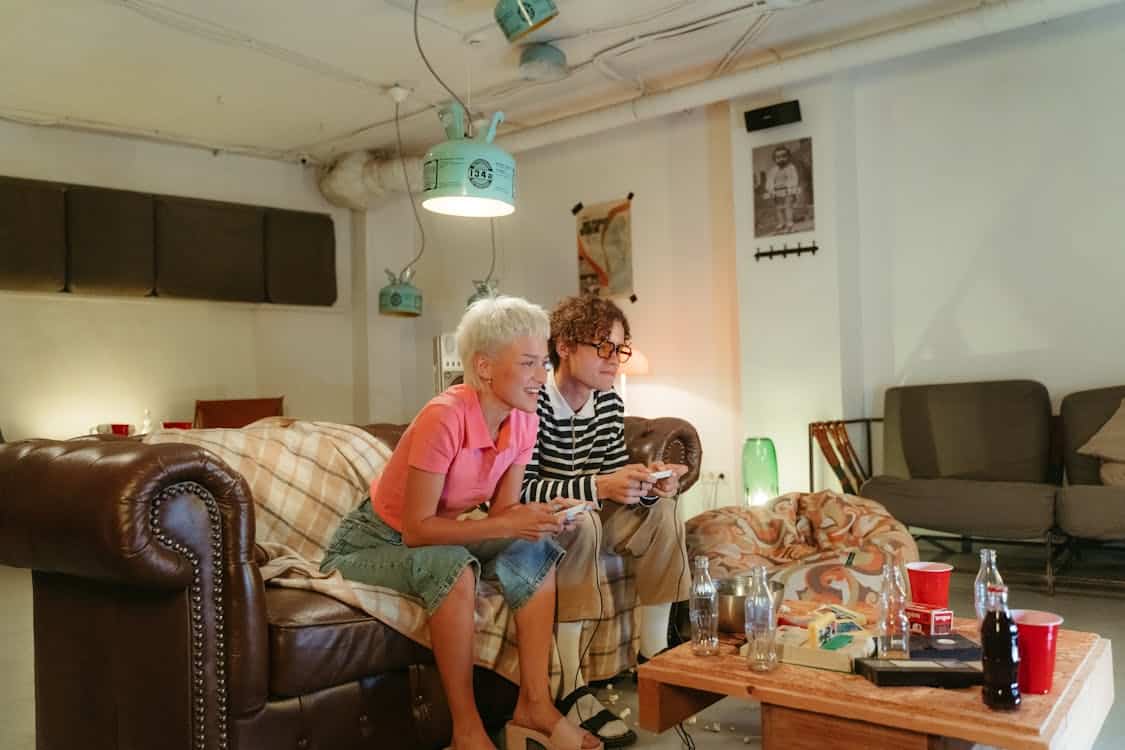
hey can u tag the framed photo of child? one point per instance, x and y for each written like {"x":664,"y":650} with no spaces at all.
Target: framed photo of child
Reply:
{"x":783,"y":188}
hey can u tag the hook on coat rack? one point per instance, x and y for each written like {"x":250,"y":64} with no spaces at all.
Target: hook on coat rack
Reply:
{"x":786,"y":251}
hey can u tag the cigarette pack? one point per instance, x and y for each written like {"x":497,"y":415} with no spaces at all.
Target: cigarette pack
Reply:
{"x":928,"y":619}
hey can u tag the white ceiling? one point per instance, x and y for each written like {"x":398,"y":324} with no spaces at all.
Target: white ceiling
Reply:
{"x":288,"y":77}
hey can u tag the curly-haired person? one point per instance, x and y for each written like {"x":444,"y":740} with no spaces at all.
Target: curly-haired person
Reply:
{"x":580,"y":454}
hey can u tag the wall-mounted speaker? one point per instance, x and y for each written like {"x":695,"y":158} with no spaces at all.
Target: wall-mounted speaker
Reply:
{"x":773,"y":115}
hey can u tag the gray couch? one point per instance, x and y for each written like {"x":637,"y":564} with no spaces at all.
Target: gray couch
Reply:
{"x":976,"y":460}
{"x":1085,"y":509}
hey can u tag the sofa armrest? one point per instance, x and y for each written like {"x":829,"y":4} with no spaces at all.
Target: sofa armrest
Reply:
{"x":85,"y":508}
{"x":134,"y":524}
{"x":666,"y":439}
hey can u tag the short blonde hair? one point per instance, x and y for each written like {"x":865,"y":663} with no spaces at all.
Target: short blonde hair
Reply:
{"x":490,"y":324}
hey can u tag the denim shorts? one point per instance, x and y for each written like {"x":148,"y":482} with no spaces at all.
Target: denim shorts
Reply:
{"x":365,"y":549}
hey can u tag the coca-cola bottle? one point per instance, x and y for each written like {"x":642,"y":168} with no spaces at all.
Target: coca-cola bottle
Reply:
{"x":987,"y":576}
{"x":1000,"y":653}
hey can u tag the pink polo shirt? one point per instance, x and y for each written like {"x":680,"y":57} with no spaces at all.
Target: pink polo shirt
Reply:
{"x":449,"y":436}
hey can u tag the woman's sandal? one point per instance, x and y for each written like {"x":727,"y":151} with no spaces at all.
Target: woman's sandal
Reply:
{"x":565,"y":736}
{"x":593,"y":724}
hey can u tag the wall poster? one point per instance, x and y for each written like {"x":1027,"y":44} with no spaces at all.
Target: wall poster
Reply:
{"x":605,"y":248}
{"x":783,"y":188}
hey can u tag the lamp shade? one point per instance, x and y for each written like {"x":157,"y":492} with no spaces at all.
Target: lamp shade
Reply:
{"x":759,"y":470}
{"x":637,"y":364}
{"x":468,"y":177}
{"x":518,"y":18}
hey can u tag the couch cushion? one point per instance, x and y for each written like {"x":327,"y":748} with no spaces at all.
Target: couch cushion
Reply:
{"x":317,"y":642}
{"x":1108,"y":443}
{"x":1083,"y":413}
{"x":997,"y":431}
{"x":1006,"y":510}
{"x":1113,"y":473}
{"x":1092,"y":512}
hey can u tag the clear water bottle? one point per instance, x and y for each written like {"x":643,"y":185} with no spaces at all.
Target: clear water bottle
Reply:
{"x":893,"y":626}
{"x":761,"y":623}
{"x":987,"y":576}
{"x":704,"y":611}
{"x":146,"y":423}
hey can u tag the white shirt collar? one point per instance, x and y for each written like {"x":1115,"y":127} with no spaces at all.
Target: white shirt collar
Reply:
{"x":559,"y":403}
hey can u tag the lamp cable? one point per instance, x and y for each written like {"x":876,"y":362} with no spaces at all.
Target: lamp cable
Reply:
{"x":409,"y":194}
{"x":426,"y":60}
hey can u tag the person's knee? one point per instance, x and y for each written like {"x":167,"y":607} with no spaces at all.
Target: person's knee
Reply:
{"x":466,"y":584}
{"x":585,"y":536}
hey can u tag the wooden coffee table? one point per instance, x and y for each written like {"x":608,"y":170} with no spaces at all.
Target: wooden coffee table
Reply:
{"x":814,"y":709}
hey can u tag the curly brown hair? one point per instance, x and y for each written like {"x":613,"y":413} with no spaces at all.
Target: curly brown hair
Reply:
{"x":583,"y":319}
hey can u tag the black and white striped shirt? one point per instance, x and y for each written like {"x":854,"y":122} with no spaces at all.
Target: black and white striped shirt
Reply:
{"x":573,"y":448}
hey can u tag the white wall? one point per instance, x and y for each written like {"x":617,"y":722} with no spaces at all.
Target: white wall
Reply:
{"x":968,"y":214}
{"x":683,"y":320}
{"x":991,"y":178}
{"x":71,"y":362}
{"x":790,"y":308}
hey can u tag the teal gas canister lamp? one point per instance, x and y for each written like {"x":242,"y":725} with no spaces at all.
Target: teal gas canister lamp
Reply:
{"x":399,"y":296}
{"x":468,"y":176}
{"x":759,"y":471}
{"x":518,"y":18}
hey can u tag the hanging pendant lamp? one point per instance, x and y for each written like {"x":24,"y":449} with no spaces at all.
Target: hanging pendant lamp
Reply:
{"x":517,"y":18}
{"x":468,"y":176}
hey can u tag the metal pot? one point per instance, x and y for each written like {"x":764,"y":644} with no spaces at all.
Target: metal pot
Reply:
{"x":732,"y":602}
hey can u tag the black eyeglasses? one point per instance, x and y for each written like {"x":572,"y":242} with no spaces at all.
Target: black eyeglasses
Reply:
{"x":606,"y":350}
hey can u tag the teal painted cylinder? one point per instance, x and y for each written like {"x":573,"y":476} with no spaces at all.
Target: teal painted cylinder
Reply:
{"x":469,"y":178}
{"x":517,"y":18}
{"x":759,"y":471}
{"x":400,"y":299}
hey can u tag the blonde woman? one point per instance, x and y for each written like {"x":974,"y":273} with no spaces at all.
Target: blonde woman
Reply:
{"x":470,"y":445}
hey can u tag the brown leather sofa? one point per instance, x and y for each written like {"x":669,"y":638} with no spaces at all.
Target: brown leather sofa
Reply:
{"x":153,"y":628}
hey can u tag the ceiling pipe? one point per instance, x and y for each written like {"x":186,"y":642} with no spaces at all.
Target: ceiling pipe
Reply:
{"x":983,"y":20}
{"x":358,"y":180}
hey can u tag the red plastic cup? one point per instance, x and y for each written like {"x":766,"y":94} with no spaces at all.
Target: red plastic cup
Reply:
{"x":929,"y":583}
{"x":120,"y":429}
{"x":1038,"y":634}
{"x":177,"y":425}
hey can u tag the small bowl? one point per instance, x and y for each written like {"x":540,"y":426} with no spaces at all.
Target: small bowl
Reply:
{"x":732,"y":602}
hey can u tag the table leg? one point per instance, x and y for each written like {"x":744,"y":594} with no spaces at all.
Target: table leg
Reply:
{"x":662,"y":706}
{"x":804,"y":730}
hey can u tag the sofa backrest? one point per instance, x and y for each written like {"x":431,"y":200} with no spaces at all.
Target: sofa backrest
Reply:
{"x":1083,"y":414}
{"x":993,"y":431}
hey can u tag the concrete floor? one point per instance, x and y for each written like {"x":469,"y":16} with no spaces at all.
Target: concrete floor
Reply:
{"x":1100,"y":611}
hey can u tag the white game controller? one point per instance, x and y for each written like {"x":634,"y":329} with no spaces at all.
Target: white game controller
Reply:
{"x":656,"y":476}
{"x":566,"y":515}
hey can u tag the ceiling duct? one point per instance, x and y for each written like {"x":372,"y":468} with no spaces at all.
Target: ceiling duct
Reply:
{"x":363,"y":180}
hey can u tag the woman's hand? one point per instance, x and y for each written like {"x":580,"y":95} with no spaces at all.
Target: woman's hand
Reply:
{"x":530,"y":521}
{"x":627,"y":485}
{"x":669,"y":486}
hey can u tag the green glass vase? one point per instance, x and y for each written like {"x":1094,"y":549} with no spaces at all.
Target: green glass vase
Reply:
{"x":759,"y":471}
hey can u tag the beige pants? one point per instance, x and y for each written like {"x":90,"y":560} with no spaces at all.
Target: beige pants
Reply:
{"x":652,"y":537}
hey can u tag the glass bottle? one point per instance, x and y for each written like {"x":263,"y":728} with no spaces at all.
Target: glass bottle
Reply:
{"x":704,"y":611}
{"x":759,"y":471}
{"x":987,"y":576}
{"x":893,"y":626}
{"x":146,"y":423}
{"x":761,"y":623}
{"x":1000,"y":653}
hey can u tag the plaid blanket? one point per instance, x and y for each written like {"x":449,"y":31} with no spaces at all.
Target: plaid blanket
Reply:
{"x":307,"y":476}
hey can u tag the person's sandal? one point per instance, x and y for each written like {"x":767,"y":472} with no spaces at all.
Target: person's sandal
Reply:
{"x":565,"y":736}
{"x":595,"y":723}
